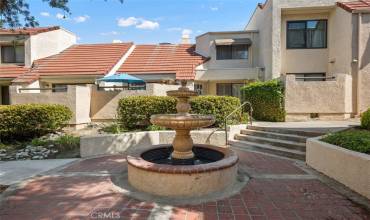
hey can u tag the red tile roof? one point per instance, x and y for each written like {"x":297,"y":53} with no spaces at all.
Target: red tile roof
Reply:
{"x":12,"y":71}
{"x":84,"y":59}
{"x":161,"y":59}
{"x":27,"y":31}
{"x":355,"y":5}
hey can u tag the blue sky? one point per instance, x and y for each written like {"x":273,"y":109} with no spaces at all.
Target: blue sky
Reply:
{"x":146,"y":21}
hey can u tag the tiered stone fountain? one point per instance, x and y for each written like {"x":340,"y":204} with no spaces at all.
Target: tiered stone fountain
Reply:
{"x":182,"y":169}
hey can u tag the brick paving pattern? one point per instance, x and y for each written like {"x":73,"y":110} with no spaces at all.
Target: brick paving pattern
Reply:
{"x":76,"y":195}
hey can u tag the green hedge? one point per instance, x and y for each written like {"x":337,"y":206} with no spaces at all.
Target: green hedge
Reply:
{"x":20,"y":122}
{"x":218,"y":106}
{"x":267,"y":99}
{"x":134,"y":112}
{"x":356,"y":140}
{"x":365,"y":120}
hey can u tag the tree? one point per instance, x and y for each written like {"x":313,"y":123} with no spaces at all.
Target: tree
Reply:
{"x":12,"y":10}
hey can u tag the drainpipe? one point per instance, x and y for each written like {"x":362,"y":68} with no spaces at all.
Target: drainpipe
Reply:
{"x":359,"y":22}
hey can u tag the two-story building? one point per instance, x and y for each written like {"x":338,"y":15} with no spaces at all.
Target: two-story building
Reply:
{"x":322,"y":49}
{"x":19,"y":48}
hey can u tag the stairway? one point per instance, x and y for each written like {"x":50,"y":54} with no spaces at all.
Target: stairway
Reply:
{"x":278,"y":141}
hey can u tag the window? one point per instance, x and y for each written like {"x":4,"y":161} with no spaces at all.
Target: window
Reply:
{"x":229,"y":89}
{"x":232,"y":52}
{"x":60,"y":88}
{"x":198,"y":88}
{"x":310,"y":76}
{"x":307,"y":34}
{"x":12,"y":54}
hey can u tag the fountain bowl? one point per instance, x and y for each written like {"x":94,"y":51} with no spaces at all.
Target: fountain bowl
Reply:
{"x":181,"y":181}
{"x":185,"y":121}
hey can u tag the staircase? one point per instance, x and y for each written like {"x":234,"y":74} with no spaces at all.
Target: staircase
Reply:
{"x":278,"y":141}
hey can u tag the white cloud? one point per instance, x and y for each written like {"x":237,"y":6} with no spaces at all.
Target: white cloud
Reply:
{"x":45,"y":14}
{"x":214,"y":8}
{"x":139,"y":23}
{"x":81,"y":18}
{"x":116,"y":41}
{"x":59,"y":16}
{"x":126,"y":22}
{"x":109,"y":33}
{"x":186,"y":32}
{"x":148,"y":25}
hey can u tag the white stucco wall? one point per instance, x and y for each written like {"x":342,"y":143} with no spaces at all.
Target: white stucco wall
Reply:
{"x":302,"y":60}
{"x":268,"y":21}
{"x":50,"y":43}
{"x":104,"y":103}
{"x":77,"y":99}
{"x":325,"y":97}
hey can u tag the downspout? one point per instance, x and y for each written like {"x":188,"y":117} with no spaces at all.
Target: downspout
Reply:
{"x":359,"y":22}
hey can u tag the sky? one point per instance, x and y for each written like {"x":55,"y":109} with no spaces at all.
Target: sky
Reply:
{"x":145,"y":21}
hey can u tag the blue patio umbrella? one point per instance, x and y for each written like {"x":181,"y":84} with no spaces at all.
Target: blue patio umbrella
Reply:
{"x":122,"y":78}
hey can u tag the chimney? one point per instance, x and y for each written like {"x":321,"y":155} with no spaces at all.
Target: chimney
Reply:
{"x":185,"y":39}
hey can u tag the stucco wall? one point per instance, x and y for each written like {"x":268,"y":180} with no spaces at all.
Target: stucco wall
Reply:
{"x":347,"y":167}
{"x":302,"y":60}
{"x":77,"y":99}
{"x":50,"y":43}
{"x":206,"y":46}
{"x":262,"y":21}
{"x":325,"y":97}
{"x":364,"y":74}
{"x":104,"y":103}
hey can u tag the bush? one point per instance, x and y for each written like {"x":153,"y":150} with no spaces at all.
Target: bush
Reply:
{"x":67,"y":142}
{"x":218,"y":106}
{"x":134,"y":112}
{"x":365,"y":120}
{"x":19,"y":122}
{"x":267,"y":99}
{"x":356,"y":140}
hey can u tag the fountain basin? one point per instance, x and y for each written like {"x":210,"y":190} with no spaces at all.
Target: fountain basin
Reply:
{"x":166,"y":179}
{"x":178,"y":121}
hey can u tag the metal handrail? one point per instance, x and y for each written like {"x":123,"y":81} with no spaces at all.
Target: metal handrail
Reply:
{"x":250,"y":115}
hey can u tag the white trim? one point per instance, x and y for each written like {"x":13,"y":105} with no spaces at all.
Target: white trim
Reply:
{"x":121,"y":61}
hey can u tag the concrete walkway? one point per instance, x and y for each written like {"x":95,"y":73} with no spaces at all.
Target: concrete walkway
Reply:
{"x":278,"y":189}
{"x":15,"y":171}
{"x":315,"y":126}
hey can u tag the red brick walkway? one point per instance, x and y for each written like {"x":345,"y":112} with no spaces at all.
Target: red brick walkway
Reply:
{"x":85,"y":191}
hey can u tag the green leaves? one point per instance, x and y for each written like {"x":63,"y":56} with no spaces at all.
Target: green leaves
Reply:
{"x":32,"y":120}
{"x":356,"y":140}
{"x":134,"y":112}
{"x":365,"y":120}
{"x":267,"y":99}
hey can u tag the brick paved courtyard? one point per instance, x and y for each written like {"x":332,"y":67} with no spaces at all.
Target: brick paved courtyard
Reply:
{"x":278,"y":189}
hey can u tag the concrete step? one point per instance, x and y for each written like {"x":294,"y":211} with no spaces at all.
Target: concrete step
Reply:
{"x":286,"y":131}
{"x":274,"y":142}
{"x":265,"y":148}
{"x":287,"y":137}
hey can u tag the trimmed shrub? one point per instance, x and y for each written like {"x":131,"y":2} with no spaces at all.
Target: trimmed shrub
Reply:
{"x":20,"y":122}
{"x":218,"y":106}
{"x":356,"y":140}
{"x":134,"y":112}
{"x":365,"y":120}
{"x":267,"y":99}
